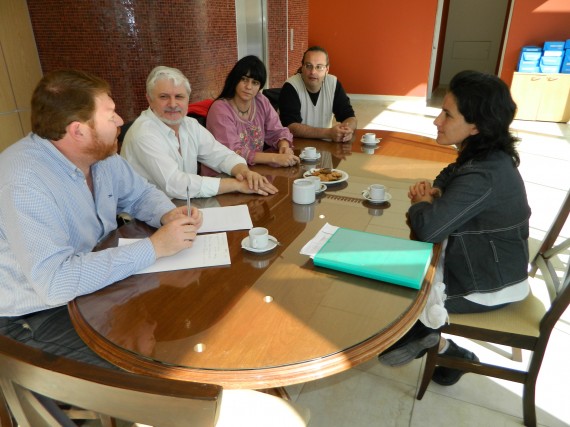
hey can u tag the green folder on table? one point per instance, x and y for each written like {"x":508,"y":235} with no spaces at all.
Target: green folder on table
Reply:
{"x":389,"y":259}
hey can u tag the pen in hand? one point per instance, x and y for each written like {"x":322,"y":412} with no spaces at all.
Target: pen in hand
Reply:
{"x":188,"y":205}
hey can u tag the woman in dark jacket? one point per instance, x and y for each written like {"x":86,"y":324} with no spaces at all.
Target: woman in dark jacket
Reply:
{"x":477,"y":208}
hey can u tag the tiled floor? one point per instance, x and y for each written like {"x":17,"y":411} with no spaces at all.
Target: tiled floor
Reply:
{"x":374,"y":395}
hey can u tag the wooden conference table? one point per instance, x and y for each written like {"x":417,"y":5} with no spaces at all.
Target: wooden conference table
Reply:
{"x":272,"y":319}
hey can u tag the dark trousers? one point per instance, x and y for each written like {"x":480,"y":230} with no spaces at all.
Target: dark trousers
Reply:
{"x":52,"y":331}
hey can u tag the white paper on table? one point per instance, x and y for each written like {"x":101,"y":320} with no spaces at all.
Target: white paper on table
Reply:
{"x":317,"y":242}
{"x":226,"y":218}
{"x":207,"y":251}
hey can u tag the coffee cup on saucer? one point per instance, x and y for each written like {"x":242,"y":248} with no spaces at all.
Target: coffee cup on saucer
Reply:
{"x":377,"y":192}
{"x":310,"y":153}
{"x":316,"y":182}
{"x":258,"y":238}
{"x":369,"y":138}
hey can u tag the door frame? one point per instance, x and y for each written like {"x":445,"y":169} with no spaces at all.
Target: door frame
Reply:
{"x":439,"y":36}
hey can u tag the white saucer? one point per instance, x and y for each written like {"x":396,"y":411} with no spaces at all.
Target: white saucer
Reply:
{"x":310,"y":159}
{"x":387,"y":197}
{"x":271,"y":245}
{"x":376,"y":141}
{"x":321,"y":189}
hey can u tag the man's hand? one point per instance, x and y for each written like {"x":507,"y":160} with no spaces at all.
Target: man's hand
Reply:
{"x":196,"y":215}
{"x":265,"y":189}
{"x":341,"y":133}
{"x":177,"y":234}
{"x":255,"y":181}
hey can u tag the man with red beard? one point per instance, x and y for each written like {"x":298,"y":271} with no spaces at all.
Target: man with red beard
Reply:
{"x":61,"y":188}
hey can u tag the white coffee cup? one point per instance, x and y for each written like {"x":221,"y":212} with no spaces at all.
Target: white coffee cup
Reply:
{"x":316,"y":182}
{"x":258,"y":237}
{"x":303,"y":191}
{"x":377,"y":192}
{"x":369,"y":137}
{"x":310,"y":152}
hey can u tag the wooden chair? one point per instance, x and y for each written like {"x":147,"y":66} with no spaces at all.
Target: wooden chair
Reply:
{"x":524,"y":325}
{"x":32,"y":381}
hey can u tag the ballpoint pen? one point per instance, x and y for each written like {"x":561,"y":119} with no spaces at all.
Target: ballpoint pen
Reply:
{"x":188,"y":205}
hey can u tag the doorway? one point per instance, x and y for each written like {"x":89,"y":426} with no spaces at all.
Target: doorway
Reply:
{"x":251,"y":25}
{"x":469,"y":34}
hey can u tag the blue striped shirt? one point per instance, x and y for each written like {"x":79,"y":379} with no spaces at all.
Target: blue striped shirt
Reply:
{"x":50,"y":222}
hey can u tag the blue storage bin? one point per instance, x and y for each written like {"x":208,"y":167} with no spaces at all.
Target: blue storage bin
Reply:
{"x":553,"y":49}
{"x":528,"y":66}
{"x":551,"y":60}
{"x":565,"y":67}
{"x":530,"y":53}
{"x":567,"y":45}
{"x":549,"y":69}
{"x":554,"y":45}
{"x":554,"y":53}
{"x":531,"y":56}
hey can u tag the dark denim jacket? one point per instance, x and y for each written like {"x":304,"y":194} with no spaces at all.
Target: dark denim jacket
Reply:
{"x":484,"y":213}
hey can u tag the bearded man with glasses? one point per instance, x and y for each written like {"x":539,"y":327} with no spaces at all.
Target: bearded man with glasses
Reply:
{"x":309,"y":99}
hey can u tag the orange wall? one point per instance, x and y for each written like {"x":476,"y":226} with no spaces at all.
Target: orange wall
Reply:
{"x":380,"y":47}
{"x":533,"y":22}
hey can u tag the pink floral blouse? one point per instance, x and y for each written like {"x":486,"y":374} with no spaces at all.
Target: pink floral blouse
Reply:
{"x":246,"y":136}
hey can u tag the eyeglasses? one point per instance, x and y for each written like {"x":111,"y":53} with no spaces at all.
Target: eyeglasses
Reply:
{"x":319,"y":67}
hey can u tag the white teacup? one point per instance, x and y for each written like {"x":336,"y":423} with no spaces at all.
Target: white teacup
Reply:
{"x":258,"y":237}
{"x":369,"y":137}
{"x":310,"y":152}
{"x":303,"y":191}
{"x":316,"y":182}
{"x":377,"y":192}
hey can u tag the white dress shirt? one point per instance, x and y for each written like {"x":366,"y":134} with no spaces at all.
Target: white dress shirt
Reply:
{"x":153,"y":150}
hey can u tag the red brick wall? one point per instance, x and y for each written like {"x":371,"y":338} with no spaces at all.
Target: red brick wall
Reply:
{"x":122,"y":41}
{"x":277,"y":40}
{"x":299,"y":22}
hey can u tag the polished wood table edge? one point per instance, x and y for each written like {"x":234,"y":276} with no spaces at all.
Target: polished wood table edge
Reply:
{"x":270,"y":377}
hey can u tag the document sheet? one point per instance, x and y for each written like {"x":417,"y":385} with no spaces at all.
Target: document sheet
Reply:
{"x":226,"y":218}
{"x":208,"y":250}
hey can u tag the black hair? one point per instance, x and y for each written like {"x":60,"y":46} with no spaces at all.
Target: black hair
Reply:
{"x":249,"y":66}
{"x":485,"y":101}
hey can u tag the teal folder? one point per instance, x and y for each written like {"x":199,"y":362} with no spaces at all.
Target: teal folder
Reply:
{"x":389,"y":259}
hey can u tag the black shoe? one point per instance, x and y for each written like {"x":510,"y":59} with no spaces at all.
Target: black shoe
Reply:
{"x":448,"y":376}
{"x":411,"y":346}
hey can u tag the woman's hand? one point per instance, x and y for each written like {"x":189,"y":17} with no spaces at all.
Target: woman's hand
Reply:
{"x":284,"y":147}
{"x":422,"y":191}
{"x":285,"y":159}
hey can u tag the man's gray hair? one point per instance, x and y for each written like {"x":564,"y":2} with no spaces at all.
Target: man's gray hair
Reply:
{"x":161,"y":72}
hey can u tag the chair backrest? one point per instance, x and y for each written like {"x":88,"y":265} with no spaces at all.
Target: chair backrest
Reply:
{"x":26,"y":372}
{"x":273,"y":96}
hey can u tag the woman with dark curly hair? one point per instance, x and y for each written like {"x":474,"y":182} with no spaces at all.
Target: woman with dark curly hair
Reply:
{"x":243,"y":119}
{"x":477,"y":208}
